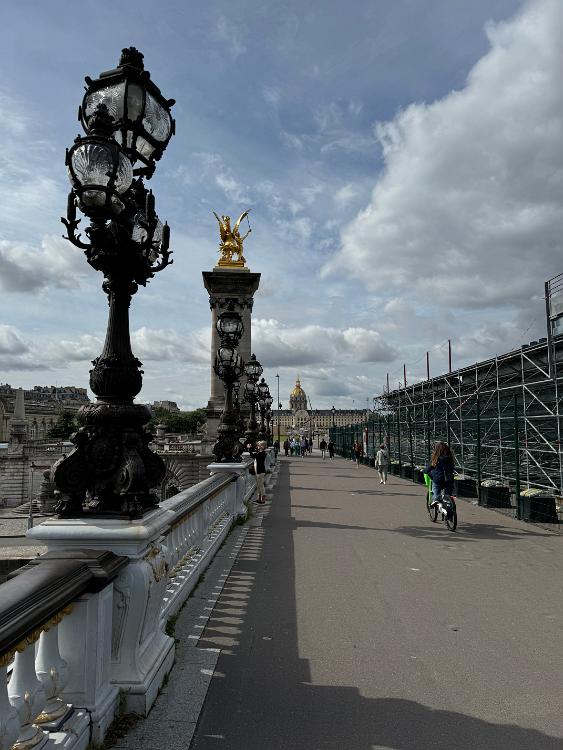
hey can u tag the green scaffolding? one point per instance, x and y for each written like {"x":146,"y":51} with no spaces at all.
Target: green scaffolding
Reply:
{"x":501,"y":417}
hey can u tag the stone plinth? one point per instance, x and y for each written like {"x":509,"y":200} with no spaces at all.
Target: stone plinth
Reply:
{"x":141,"y":654}
{"x":236,"y":285}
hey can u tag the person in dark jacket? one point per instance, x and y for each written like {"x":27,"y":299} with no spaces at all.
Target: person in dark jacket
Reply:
{"x":441,"y":471}
{"x":259,"y":456}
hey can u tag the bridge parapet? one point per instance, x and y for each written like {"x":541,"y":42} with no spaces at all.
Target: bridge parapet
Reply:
{"x":87,"y":620}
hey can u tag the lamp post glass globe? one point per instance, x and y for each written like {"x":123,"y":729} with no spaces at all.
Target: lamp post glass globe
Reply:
{"x":230,"y":326}
{"x":228,"y":363}
{"x":143,"y":122}
{"x":263,"y":389}
{"x":249,"y":391}
{"x":98,"y":169}
{"x":253,"y":369}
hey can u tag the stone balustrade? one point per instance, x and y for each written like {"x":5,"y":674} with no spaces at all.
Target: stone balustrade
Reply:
{"x":55,"y":654}
{"x":86,"y":621}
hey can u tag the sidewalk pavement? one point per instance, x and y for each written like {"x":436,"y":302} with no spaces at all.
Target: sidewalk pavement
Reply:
{"x":349,"y":621}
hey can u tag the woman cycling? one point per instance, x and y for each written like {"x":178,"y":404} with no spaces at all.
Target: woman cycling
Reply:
{"x":441,"y":471}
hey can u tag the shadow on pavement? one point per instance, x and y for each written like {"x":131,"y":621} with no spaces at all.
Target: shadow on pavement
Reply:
{"x":262,"y":694}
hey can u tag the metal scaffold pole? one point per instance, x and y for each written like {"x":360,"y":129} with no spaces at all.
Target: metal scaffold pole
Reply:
{"x":517,"y":455}
{"x":478,"y":437}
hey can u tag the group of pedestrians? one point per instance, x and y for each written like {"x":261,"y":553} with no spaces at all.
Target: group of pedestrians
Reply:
{"x":297,"y":446}
{"x":440,"y":469}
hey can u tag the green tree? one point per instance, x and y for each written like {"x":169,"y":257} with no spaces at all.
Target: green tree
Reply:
{"x":64,"y":426}
{"x":183,"y":421}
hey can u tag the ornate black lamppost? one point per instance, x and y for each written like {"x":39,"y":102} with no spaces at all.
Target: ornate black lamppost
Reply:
{"x":263,"y":397}
{"x":253,"y":369}
{"x":111,"y":471}
{"x":241,"y":424}
{"x":229,"y":367}
{"x":268,"y":402}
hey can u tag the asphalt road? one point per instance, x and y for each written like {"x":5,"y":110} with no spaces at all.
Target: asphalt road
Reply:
{"x":351,"y":622}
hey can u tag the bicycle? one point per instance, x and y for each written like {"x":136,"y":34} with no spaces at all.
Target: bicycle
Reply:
{"x":446,"y":506}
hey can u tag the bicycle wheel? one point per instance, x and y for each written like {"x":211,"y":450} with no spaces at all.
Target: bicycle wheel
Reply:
{"x":451,"y":518}
{"x":432,"y":511}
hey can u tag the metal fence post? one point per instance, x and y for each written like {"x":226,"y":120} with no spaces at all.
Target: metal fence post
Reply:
{"x":399,"y":440}
{"x":517,"y":457}
{"x":478,"y":405}
{"x":409,"y":423}
{"x":379,"y":426}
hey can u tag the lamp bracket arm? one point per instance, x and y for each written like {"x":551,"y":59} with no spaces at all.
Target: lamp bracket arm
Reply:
{"x":74,"y":236}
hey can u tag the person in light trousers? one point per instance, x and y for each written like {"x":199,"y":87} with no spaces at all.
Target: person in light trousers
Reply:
{"x":260,"y":470}
{"x":381,"y":463}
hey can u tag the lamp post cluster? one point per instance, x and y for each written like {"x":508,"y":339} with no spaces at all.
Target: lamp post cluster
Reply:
{"x":127,"y":124}
{"x":230,"y":367}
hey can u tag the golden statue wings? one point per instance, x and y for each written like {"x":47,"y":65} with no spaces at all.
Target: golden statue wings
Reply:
{"x":231,"y":244}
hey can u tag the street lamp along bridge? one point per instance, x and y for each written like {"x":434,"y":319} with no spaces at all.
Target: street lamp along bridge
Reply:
{"x":128,"y":125}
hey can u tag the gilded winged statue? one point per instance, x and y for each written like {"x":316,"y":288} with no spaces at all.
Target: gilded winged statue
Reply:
{"x":231,"y":241}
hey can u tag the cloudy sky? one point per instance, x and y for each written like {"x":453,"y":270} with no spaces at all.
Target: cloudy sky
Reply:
{"x":403,"y":160}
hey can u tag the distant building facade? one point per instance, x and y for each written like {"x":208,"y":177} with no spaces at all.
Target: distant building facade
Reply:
{"x":166,"y":405}
{"x":301,"y":417}
{"x":43,"y":404}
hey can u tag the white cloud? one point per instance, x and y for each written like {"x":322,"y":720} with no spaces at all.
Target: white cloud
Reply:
{"x":272,"y":96}
{"x":56,"y":263}
{"x":280,"y":346}
{"x":31,"y":198}
{"x":11,"y":341}
{"x":468,"y":211}
{"x":229,"y":35}
{"x":15,"y":352}
{"x":233,"y":189}
{"x":171,"y":345}
{"x":345,"y":195}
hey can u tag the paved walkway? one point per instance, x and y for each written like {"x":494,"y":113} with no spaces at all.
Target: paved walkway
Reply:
{"x":350,"y":622}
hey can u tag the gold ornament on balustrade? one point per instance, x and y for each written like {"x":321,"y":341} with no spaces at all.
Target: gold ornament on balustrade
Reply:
{"x":231,"y":245}
{"x":8,"y":656}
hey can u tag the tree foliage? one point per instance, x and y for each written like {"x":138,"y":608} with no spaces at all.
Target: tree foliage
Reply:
{"x":64,"y":426}
{"x":185,"y":422}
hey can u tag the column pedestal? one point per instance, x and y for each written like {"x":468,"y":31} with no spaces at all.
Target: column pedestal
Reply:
{"x":141,"y":654}
{"x":226,"y":285}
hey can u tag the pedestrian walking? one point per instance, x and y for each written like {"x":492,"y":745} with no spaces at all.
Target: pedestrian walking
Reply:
{"x":358,"y":452}
{"x":330,"y":448}
{"x":303,"y":446}
{"x":322,"y":446}
{"x":382,"y":463}
{"x":276,"y":448}
{"x":259,"y":457}
{"x":286,"y":446}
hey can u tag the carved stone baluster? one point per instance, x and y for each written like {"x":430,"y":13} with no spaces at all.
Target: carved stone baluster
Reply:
{"x":27,"y":696}
{"x":52,"y":672}
{"x":9,"y":718}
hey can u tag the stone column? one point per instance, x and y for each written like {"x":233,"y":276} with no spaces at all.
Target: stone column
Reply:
{"x":225,"y":285}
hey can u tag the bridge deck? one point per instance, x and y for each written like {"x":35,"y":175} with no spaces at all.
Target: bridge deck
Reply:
{"x":350,"y":621}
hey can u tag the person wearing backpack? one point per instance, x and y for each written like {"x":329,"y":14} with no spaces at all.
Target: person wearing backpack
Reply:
{"x":382,"y":463}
